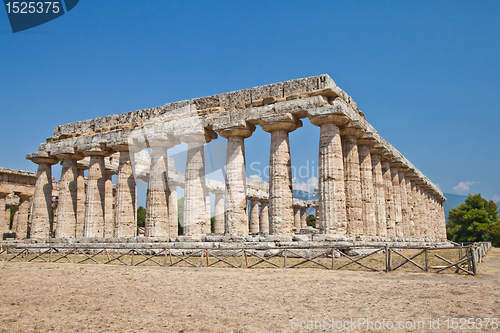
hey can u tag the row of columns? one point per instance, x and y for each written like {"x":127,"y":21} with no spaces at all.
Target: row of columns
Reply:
{"x":20,"y":218}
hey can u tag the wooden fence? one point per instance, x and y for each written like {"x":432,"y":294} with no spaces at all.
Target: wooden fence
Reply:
{"x":461,"y":259}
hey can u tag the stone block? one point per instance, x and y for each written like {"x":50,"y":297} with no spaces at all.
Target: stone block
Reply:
{"x":301,"y":238}
{"x":106,"y":121}
{"x":270,"y":90}
{"x":235,"y":98}
{"x":129,"y":117}
{"x":309,"y":230}
{"x":299,"y":86}
{"x":206,"y":102}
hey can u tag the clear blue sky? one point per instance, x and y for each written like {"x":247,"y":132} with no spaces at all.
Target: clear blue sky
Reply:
{"x":426,"y":74}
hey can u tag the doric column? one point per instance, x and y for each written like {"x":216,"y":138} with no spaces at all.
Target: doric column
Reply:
{"x":68,"y":200}
{"x":390,"y":209}
{"x":442,"y":221}
{"x":22,"y":216}
{"x":80,"y":199}
{"x":296,"y":218}
{"x":303,"y":218}
{"x":331,"y":186}
{"x":264,"y":217}
{"x":236,"y":216}
{"x":379,"y":189}
{"x":354,"y":201}
{"x":157,"y":222}
{"x":404,"y":205}
{"x":4,"y":222}
{"x":219,"y":213}
{"x":254,"y":215}
{"x":96,"y":193}
{"x":281,"y":219}
{"x":195,"y":214}
{"x":396,"y":192}
{"x":430,"y":221}
{"x":42,"y":198}
{"x":411,"y":206}
{"x":15,"y":218}
{"x":125,"y":217}
{"x":422,"y":212}
{"x":417,"y":211}
{"x":173,"y":214}
{"x":367,"y":190}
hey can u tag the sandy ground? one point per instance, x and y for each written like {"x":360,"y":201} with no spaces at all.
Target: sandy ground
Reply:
{"x":48,"y":297}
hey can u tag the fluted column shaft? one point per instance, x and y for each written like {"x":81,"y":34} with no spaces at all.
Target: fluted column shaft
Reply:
{"x":354,"y":202}
{"x":254,"y":216}
{"x":219,"y":213}
{"x":194,"y":196}
{"x":94,"y":205}
{"x":80,"y":199}
{"x":22,"y":217}
{"x":379,"y":189}
{"x":157,"y":223}
{"x":172,"y":212}
{"x":264,"y":217}
{"x":125,"y":219}
{"x":109,"y":215}
{"x":396,"y":192}
{"x":67,"y":203}
{"x":411,"y":207}
{"x":296,"y":218}
{"x":42,"y":202}
{"x":390,"y":209}
{"x":367,"y":191}
{"x":4,"y":222}
{"x":331,"y":186}
{"x":404,"y":205}
{"x":303,"y":218}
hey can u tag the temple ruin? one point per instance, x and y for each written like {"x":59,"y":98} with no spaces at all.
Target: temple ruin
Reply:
{"x":367,"y":189}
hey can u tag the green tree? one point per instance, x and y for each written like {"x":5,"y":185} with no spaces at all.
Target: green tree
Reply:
{"x":141,"y":217}
{"x":311,"y":221}
{"x":476,"y":220}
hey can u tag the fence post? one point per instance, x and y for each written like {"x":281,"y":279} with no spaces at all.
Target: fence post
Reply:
{"x":333,"y":258}
{"x":201,"y":258}
{"x":387,"y":258}
{"x":427,"y":260}
{"x":50,"y":255}
{"x":284,"y":255}
{"x":474,"y":259}
{"x":132,"y":258}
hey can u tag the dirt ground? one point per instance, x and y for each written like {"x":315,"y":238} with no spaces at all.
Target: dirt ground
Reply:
{"x":64,"y":297}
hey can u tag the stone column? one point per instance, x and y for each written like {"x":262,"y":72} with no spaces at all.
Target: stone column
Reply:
{"x":195,"y":215}
{"x":236,"y":216}
{"x":404,"y":205}
{"x":42,"y":198}
{"x":411,"y":206}
{"x":442,"y":221}
{"x":80,"y":199}
{"x":396,"y":192}
{"x":331,"y":186}
{"x":7,"y":217}
{"x":67,"y":203}
{"x":15,"y":218}
{"x":22,"y":216}
{"x":254,"y":215}
{"x":173,"y":214}
{"x":422,"y":212}
{"x":354,"y":202}
{"x":264,"y":217}
{"x":96,"y":193}
{"x":281,"y":219}
{"x":125,"y":217}
{"x":390,"y":209}
{"x":415,"y":193}
{"x":367,"y":191}
{"x":4,"y":222}
{"x":430,"y":221}
{"x":109,"y":215}
{"x":157,"y":222}
{"x":379,"y":189}
{"x":296,"y":218}
{"x":303,"y":218}
{"x":219,"y":213}
{"x":208,"y":210}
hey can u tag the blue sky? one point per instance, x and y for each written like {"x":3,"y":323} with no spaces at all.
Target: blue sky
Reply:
{"x":426,"y":74}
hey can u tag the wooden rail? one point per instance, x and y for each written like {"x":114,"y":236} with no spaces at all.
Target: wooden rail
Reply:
{"x":460,"y":259}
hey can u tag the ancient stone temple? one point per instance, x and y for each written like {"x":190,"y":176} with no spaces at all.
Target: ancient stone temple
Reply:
{"x":366,"y":187}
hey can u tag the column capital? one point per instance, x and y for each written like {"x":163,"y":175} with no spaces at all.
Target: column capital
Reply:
{"x":205,"y":137}
{"x":244,"y":131}
{"x":67,"y":153}
{"x":95,"y":150}
{"x":42,"y":157}
{"x":284,"y":122}
{"x":336,"y":119}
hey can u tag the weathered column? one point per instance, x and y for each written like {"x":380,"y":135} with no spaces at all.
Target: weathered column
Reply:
{"x":219,"y":213}
{"x":157,"y":222}
{"x":42,"y":198}
{"x":390,"y":209}
{"x":354,"y":202}
{"x":15,"y":218}
{"x":7,"y":217}
{"x":303,"y":218}
{"x":125,"y":217}
{"x":367,"y":190}
{"x":411,"y":206}
{"x":415,"y":193}
{"x":195,"y":215}
{"x":208,"y":210}
{"x":404,"y":205}
{"x":296,"y":218}
{"x":422,"y":211}
{"x":173,"y":214}
{"x":67,"y":202}
{"x":396,"y":192}
{"x":108,"y":205}
{"x":430,"y":222}
{"x":254,"y":215}
{"x":379,"y":189}
{"x":281,"y":219}
{"x":331,"y":186}
{"x":264,"y":217}
{"x":22,"y":216}
{"x":96,"y":193}
{"x":442,"y":219}
{"x":80,"y":199}
{"x":236,"y":216}
{"x":4,"y":222}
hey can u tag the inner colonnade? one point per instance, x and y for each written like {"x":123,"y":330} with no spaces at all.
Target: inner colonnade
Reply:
{"x":366,"y":188}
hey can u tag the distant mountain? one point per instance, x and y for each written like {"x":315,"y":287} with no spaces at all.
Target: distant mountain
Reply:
{"x":304,"y":195}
